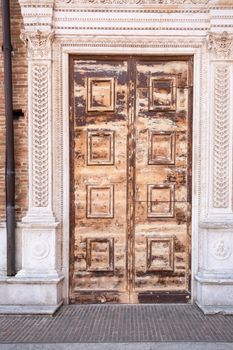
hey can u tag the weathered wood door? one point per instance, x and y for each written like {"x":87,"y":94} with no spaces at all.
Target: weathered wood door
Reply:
{"x":130,"y":179}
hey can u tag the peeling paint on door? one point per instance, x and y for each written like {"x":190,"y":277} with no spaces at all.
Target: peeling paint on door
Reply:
{"x":130,"y":179}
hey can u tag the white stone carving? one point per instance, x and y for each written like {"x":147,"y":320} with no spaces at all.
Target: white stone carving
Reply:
{"x":135,"y":2}
{"x":40,"y":250}
{"x":58,"y":133}
{"x":41,"y":3}
{"x":213,"y":224}
{"x":220,"y":43}
{"x":39,"y":46}
{"x":221,"y":251}
{"x":133,"y":43}
{"x":38,"y":43}
{"x":221,"y":137}
{"x":202,"y":99}
{"x":40,"y":135}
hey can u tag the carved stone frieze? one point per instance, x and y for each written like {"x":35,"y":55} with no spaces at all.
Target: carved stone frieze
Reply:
{"x":133,"y":43}
{"x":134,"y":2}
{"x":221,"y":137}
{"x":38,"y":43}
{"x":221,"y":44}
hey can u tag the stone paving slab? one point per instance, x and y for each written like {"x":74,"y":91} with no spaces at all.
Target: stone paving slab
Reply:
{"x":118,"y":324}
{"x":120,"y":346}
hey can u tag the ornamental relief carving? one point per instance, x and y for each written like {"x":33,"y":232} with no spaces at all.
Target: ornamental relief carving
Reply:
{"x":220,"y":44}
{"x":40,"y":250}
{"x":134,"y":2}
{"x":221,"y":251}
{"x":139,"y":42}
{"x":38,"y":43}
{"x":40,"y":163}
{"x":221,"y":137}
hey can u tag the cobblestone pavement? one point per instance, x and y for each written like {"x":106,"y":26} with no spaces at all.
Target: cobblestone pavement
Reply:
{"x":118,"y":324}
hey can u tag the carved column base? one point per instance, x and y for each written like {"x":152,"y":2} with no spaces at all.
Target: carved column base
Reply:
{"x":39,"y":245}
{"x":37,"y":287}
{"x":215,"y":293}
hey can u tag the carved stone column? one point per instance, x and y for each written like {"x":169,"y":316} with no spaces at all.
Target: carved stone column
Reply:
{"x":37,"y":287}
{"x":215,"y":278}
{"x":39,"y":225}
{"x":40,"y":170}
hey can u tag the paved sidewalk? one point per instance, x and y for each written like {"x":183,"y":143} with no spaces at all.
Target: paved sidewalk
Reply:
{"x":120,"y":346}
{"x":118,"y":324}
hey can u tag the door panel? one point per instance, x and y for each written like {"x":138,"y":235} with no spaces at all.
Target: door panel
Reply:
{"x":162,"y":178}
{"x":99,"y":259}
{"x":130,"y":183}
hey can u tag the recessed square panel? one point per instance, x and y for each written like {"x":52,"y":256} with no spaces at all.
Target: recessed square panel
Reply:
{"x":100,"y":254}
{"x":100,"y":147}
{"x":101,"y":94}
{"x":100,"y":201}
{"x":160,"y":201}
{"x":161,"y":148}
{"x":160,"y":253}
{"x":163,"y":93}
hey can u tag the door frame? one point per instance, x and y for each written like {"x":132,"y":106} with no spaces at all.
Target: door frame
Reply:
{"x":66,"y":51}
{"x":132,"y":61}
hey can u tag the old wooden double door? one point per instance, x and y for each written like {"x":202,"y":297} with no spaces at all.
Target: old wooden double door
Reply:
{"x":130,"y":179}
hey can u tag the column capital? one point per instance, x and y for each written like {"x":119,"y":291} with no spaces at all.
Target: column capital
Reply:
{"x":221,"y":44}
{"x":38,"y":43}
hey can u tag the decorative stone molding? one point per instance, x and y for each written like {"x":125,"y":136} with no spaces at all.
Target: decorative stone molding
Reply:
{"x":134,"y":2}
{"x":143,"y":42}
{"x":38,"y":43}
{"x":36,"y":2}
{"x":221,"y":44}
{"x":221,"y":137}
{"x":214,"y":225}
{"x":37,"y":14}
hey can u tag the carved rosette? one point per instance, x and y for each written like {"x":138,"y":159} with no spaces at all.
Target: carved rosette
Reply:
{"x":221,"y":250}
{"x":220,"y":44}
{"x":221,"y":136}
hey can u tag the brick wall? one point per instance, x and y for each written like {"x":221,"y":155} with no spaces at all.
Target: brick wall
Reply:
{"x":19,"y":68}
